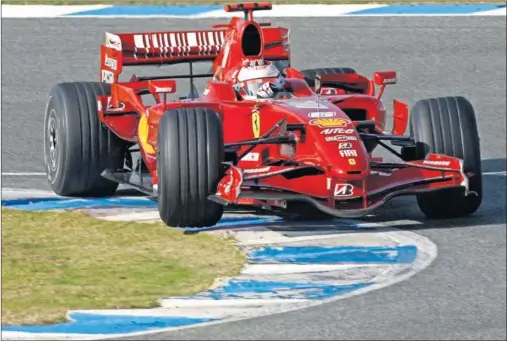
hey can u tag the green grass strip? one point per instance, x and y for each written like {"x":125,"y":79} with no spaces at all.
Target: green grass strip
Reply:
{"x":55,"y":262}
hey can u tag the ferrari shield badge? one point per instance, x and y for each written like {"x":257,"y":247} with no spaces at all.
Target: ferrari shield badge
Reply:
{"x":256,"y":123}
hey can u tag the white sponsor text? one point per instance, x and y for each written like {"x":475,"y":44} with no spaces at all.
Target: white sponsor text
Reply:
{"x":322,"y":114}
{"x":343,"y":190}
{"x":436,"y":163}
{"x":348,"y":152}
{"x":329,"y":131}
{"x":340,"y":138}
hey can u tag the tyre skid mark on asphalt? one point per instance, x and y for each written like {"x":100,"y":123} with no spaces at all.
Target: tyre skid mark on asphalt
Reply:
{"x":284,"y":272}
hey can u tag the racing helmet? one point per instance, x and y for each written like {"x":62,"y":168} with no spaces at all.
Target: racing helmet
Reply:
{"x":258,"y":79}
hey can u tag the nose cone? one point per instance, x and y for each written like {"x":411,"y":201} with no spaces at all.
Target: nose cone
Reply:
{"x":341,"y":147}
{"x":334,"y":136}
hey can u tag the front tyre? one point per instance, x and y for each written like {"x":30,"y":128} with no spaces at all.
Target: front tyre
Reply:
{"x":447,"y":125}
{"x":189,"y":167}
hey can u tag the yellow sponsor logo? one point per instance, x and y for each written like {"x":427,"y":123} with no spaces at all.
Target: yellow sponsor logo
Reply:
{"x":256,"y":123}
{"x":352,"y":162}
{"x":329,"y":122}
{"x":142,"y":132}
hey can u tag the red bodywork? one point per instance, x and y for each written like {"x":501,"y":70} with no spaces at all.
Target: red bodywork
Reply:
{"x":321,"y":156}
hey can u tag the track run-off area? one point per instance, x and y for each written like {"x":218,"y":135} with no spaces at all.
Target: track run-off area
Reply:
{"x":391,"y":276}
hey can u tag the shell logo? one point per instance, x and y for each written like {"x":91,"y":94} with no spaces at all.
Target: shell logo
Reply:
{"x":330,"y":122}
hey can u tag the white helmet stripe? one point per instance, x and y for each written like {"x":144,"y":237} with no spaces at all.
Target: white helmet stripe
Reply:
{"x":256,"y":72}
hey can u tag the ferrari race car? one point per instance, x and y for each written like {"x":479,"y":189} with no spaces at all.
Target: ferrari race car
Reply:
{"x":263,"y":134}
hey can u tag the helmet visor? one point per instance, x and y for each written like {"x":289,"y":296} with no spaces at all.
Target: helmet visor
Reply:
{"x":248,"y":89}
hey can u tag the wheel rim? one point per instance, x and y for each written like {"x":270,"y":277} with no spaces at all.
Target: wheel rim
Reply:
{"x":53,"y":145}
{"x":53,"y":152}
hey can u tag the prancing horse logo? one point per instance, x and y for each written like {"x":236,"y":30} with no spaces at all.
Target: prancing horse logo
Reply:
{"x":256,"y":123}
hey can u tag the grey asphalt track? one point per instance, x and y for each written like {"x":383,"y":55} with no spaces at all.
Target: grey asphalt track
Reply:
{"x":462,"y":295}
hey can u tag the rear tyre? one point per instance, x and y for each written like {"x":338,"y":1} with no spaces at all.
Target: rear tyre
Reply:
{"x":189,"y":167}
{"x":76,"y":144}
{"x":447,"y":125}
{"x":310,"y":74}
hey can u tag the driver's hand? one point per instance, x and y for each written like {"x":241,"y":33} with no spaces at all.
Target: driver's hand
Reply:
{"x":266,"y":90}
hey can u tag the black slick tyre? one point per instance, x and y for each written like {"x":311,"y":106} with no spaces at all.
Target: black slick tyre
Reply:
{"x":77,"y":148}
{"x":310,"y":74}
{"x":189,"y":167}
{"x":447,"y":125}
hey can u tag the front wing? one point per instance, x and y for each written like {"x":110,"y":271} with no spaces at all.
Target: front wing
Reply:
{"x":347,"y":197}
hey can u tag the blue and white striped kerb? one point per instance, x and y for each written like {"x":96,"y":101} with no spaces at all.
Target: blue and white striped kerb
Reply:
{"x":216,"y":11}
{"x":119,"y":208}
{"x":289,"y":266}
{"x":239,"y":296}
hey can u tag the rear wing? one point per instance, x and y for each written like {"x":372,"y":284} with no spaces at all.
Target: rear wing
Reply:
{"x":156,"y":48}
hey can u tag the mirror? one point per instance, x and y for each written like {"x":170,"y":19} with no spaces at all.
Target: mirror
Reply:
{"x":384,"y":77}
{"x":162,"y":86}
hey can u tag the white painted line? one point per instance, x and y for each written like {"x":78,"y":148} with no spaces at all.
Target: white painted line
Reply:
{"x":50,"y":336}
{"x":279,"y":269}
{"x":495,"y":173}
{"x":211,"y":312}
{"x":209,"y":302}
{"x":279,"y":11}
{"x":500,"y":11}
{"x":140,"y":216}
{"x":22,"y":191}
{"x":327,"y":234}
{"x":23,"y":174}
{"x":403,"y":222}
{"x":44,"y":11}
{"x":257,"y":235}
{"x":284,"y":239}
{"x":11,"y":193}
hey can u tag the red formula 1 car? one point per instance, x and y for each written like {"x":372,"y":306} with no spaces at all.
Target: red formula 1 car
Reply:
{"x":262,"y":134}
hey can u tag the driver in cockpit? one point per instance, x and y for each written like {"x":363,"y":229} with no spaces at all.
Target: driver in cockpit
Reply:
{"x":259,"y":79}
